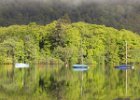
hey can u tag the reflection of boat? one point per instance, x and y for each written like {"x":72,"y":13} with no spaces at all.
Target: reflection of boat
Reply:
{"x":21,"y":65}
{"x":124,"y":67}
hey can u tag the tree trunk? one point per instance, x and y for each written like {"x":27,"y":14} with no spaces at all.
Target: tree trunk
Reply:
{"x":13,"y":64}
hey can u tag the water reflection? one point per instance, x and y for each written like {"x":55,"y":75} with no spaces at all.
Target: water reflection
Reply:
{"x":93,"y":85}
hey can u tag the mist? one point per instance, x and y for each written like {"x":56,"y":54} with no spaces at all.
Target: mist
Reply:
{"x":115,"y":13}
{"x":71,"y":2}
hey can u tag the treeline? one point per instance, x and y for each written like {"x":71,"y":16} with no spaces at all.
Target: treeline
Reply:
{"x":61,"y":39}
{"x":101,"y":47}
{"x":121,"y":14}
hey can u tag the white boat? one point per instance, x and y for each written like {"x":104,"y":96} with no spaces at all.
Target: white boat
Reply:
{"x":21,"y":65}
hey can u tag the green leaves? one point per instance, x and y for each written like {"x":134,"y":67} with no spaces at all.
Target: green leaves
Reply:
{"x":62,"y":42}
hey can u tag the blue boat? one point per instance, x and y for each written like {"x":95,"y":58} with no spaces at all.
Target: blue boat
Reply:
{"x":124,"y":67}
{"x":80,"y":67}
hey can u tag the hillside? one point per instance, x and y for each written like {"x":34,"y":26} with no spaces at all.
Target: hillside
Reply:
{"x":58,"y":46}
{"x":122,"y":14}
{"x":48,"y":40}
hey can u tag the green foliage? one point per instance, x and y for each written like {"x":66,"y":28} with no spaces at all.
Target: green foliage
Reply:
{"x":58,"y":46}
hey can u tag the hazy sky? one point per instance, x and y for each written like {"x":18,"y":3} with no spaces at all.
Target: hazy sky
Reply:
{"x":75,"y":2}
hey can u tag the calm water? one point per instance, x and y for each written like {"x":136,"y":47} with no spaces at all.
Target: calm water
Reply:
{"x":5,"y":77}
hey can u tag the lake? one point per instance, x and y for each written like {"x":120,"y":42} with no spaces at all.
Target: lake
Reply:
{"x":38,"y":78}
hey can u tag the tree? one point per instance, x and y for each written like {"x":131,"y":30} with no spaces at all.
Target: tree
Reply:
{"x":12,"y":48}
{"x":58,"y":38}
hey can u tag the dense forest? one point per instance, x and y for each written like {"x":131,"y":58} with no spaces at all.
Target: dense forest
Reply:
{"x":118,"y":14}
{"x":53,"y":35}
{"x":61,"y":44}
